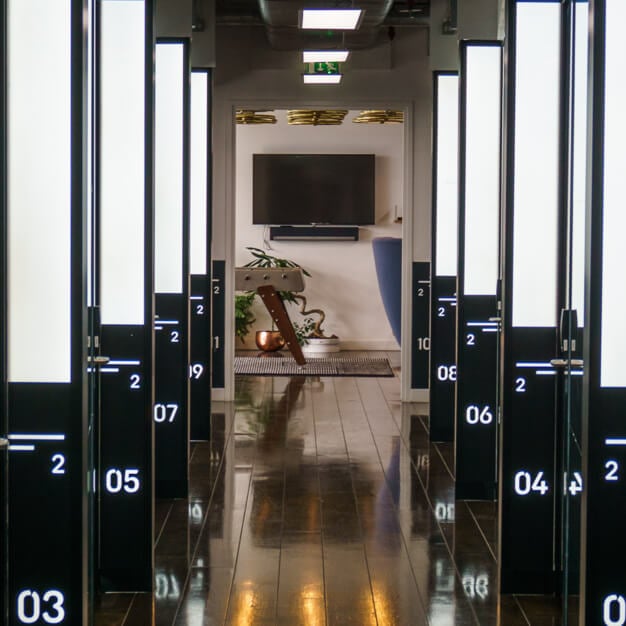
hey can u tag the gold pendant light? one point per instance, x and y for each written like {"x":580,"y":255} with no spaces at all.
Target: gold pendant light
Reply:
{"x":327,"y":117}
{"x":379,"y":117}
{"x":247,"y":116}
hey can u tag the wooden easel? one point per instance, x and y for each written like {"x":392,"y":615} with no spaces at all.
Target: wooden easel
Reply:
{"x":268,"y":281}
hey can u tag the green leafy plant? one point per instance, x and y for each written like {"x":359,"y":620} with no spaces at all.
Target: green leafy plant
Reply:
{"x":243,"y":313}
{"x":262,"y":259}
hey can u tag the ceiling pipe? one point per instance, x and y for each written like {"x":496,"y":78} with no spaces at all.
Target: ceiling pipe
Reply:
{"x":450,"y":25}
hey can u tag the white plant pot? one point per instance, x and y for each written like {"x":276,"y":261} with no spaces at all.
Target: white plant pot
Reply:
{"x":317,"y":346}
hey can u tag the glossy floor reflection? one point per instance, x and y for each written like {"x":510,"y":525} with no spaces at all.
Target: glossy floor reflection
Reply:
{"x":321,"y":501}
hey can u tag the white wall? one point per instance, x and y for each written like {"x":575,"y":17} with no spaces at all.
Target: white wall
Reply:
{"x":343,"y":281}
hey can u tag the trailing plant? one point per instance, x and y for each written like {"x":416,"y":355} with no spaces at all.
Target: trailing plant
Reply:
{"x":303,"y":330}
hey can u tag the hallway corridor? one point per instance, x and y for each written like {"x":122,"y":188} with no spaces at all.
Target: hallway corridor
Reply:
{"x":321,"y":501}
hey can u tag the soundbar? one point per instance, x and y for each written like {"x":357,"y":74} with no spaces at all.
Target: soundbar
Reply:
{"x":317,"y":233}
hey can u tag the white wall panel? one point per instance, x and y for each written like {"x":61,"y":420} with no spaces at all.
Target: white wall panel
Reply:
{"x":39,"y":190}
{"x":199,"y":172}
{"x":122,"y":161}
{"x":169,"y":77}
{"x":482,"y":169}
{"x":536,"y":171}
{"x":447,"y":137}
{"x":613,"y":337}
{"x":580,"y":160}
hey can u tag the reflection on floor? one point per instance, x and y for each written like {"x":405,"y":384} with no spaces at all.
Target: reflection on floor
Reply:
{"x":321,"y":501}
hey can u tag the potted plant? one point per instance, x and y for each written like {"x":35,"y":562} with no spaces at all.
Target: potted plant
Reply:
{"x":308,"y":331}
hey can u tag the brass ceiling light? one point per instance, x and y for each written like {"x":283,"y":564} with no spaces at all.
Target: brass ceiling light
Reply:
{"x":248,"y":116}
{"x":379,"y":117}
{"x":327,"y":117}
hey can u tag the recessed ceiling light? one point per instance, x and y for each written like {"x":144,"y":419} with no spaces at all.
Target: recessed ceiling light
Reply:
{"x":324,"y":56}
{"x":337,"y":19}
{"x":326,"y":79}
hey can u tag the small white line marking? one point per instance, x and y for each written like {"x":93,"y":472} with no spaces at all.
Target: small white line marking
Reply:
{"x":35,"y":437}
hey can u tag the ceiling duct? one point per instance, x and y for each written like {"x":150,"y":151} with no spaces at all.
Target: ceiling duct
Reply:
{"x":280,"y":17}
{"x":286,"y":38}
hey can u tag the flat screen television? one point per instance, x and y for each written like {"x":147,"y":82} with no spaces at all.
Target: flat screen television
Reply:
{"x":304,"y":189}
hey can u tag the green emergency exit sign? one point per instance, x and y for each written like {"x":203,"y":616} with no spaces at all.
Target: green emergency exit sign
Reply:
{"x":328,"y":67}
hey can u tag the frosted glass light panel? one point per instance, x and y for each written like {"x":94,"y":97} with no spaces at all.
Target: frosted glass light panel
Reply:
{"x":39,"y":190}
{"x":482,"y":168}
{"x":199,"y":171}
{"x":447,"y":191}
{"x":613,"y":334}
{"x":536,"y":172}
{"x":169,"y":81}
{"x":580,"y":159}
{"x":122,"y":161}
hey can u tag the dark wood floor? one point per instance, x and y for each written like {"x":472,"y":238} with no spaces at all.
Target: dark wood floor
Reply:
{"x":321,"y":501}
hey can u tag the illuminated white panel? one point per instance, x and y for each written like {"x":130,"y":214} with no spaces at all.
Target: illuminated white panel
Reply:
{"x":199,"y":172}
{"x":122,"y":161}
{"x":169,"y":77}
{"x":447,"y":197}
{"x":325,"y":56}
{"x":39,"y":190}
{"x":482,"y":169}
{"x":613,"y":337}
{"x":336,"y":19}
{"x":536,"y":172}
{"x":580,"y":160}
{"x":91,"y":299}
{"x":321,"y":79}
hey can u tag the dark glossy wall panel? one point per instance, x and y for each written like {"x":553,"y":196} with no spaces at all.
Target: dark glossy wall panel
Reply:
{"x":476,"y":401}
{"x":125,"y":473}
{"x":171,"y":404}
{"x":442,"y":358}
{"x":218,"y":322}
{"x":200,"y":358}
{"x":529,"y":492}
{"x":420,"y":326}
{"x":45,"y":498}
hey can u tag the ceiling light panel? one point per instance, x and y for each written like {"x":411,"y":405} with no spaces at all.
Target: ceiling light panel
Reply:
{"x":325,"y":79}
{"x":330,"y":19}
{"x":324,"y":56}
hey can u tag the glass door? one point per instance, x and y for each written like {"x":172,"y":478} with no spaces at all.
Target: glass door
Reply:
{"x":569,"y":362}
{"x":93,"y":332}
{"x":46,"y":490}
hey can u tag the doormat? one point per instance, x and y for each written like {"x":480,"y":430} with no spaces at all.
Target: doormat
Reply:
{"x":265,"y":365}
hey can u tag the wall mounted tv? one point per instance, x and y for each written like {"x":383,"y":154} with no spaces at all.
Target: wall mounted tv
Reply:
{"x":304,"y":189}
